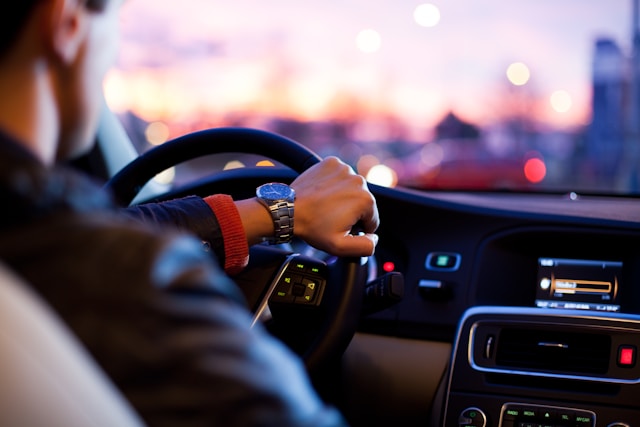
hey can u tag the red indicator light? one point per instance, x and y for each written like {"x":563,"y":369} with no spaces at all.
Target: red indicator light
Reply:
{"x":627,"y":356}
{"x":388,"y":266}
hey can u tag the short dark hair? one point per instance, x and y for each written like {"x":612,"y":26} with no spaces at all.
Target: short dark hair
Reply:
{"x":14,"y":18}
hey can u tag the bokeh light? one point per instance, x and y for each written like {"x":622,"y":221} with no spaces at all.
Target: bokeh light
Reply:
{"x":561,"y":101}
{"x":365,"y":163}
{"x":427,"y":15}
{"x":382,"y":175}
{"x":233,"y":164}
{"x":518,"y":73}
{"x":368,"y":41}
{"x":157,"y":133}
{"x":535,"y":170}
{"x":265,"y":162}
{"x":431,"y":155}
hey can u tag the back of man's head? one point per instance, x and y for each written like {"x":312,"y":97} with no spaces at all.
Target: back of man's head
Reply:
{"x":13,"y":19}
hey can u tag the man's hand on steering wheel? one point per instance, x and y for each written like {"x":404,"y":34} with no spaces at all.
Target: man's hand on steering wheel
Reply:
{"x":330,"y":200}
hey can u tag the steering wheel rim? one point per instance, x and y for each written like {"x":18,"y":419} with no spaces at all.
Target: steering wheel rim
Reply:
{"x":347,"y":276}
{"x":128,"y":182}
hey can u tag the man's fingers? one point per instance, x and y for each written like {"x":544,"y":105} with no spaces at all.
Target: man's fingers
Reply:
{"x":357,"y":245}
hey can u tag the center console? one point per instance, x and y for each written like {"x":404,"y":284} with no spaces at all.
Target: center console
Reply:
{"x":531,"y":366}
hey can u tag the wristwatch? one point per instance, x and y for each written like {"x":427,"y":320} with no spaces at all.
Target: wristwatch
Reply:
{"x":278,"y":198}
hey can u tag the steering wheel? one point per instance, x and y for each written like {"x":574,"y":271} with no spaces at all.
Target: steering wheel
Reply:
{"x":320,"y":331}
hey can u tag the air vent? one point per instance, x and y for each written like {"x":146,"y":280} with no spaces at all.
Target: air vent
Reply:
{"x":553,"y":351}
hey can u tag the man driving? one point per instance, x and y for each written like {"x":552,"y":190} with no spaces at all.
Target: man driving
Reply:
{"x":158,"y":314}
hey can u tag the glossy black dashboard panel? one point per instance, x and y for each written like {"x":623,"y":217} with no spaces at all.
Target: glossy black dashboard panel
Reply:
{"x":498,"y":240}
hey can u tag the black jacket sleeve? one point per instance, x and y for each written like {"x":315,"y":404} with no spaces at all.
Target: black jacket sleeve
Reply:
{"x":190,"y":214}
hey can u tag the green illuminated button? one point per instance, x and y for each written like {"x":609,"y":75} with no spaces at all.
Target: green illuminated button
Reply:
{"x":309,"y":289}
{"x":511,"y":412}
{"x":566,"y":417}
{"x":547,"y":416}
{"x":306,"y":267}
{"x":283,"y":293}
{"x":584,"y":419}
{"x":298,"y":266}
{"x":472,"y":417}
{"x":443,"y":261}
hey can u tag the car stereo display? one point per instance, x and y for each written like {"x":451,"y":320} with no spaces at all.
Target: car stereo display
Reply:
{"x":578,"y":284}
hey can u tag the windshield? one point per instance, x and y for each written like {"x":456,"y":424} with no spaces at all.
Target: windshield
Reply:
{"x":526,"y":95}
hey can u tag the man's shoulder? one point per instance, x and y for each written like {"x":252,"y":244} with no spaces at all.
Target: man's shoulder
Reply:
{"x":103,"y":261}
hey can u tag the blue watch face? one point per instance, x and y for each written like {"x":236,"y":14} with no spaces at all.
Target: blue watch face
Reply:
{"x":275,"y":191}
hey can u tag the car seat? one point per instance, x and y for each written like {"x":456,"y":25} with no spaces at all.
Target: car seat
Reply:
{"x":47,"y":378}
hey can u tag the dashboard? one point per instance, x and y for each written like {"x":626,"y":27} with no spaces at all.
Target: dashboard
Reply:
{"x":539,"y":251}
{"x":537,"y":294}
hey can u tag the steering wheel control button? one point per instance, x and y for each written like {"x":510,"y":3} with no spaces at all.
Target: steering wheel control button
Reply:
{"x":472,"y":417}
{"x":285,"y":289}
{"x":298,"y":289}
{"x":301,"y":284}
{"x":443,"y":261}
{"x":307,"y":292}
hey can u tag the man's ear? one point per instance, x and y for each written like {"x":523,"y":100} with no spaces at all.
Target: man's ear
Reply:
{"x":64,"y":27}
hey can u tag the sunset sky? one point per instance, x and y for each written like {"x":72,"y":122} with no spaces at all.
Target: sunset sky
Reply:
{"x":300,"y":58}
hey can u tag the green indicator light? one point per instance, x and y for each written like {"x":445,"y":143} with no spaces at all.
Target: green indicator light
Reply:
{"x":300,"y":266}
{"x":315,"y":270}
{"x":473,"y":414}
{"x":282,"y":294}
{"x":442,"y":260}
{"x":287,"y":279}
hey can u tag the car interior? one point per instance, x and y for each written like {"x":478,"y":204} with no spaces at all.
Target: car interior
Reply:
{"x":493,"y":306}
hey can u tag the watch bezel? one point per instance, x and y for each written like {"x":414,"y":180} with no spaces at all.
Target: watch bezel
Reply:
{"x":275,"y":191}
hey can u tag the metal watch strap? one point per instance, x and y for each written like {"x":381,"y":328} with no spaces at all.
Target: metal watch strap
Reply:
{"x":282,"y":215}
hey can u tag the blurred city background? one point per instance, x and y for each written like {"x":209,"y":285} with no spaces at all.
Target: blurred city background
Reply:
{"x":534,"y":95}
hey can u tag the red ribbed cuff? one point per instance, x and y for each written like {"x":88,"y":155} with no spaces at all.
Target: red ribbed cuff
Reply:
{"x":236,"y":248}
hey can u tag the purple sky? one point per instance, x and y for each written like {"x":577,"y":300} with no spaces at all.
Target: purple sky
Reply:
{"x":299,"y":57}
